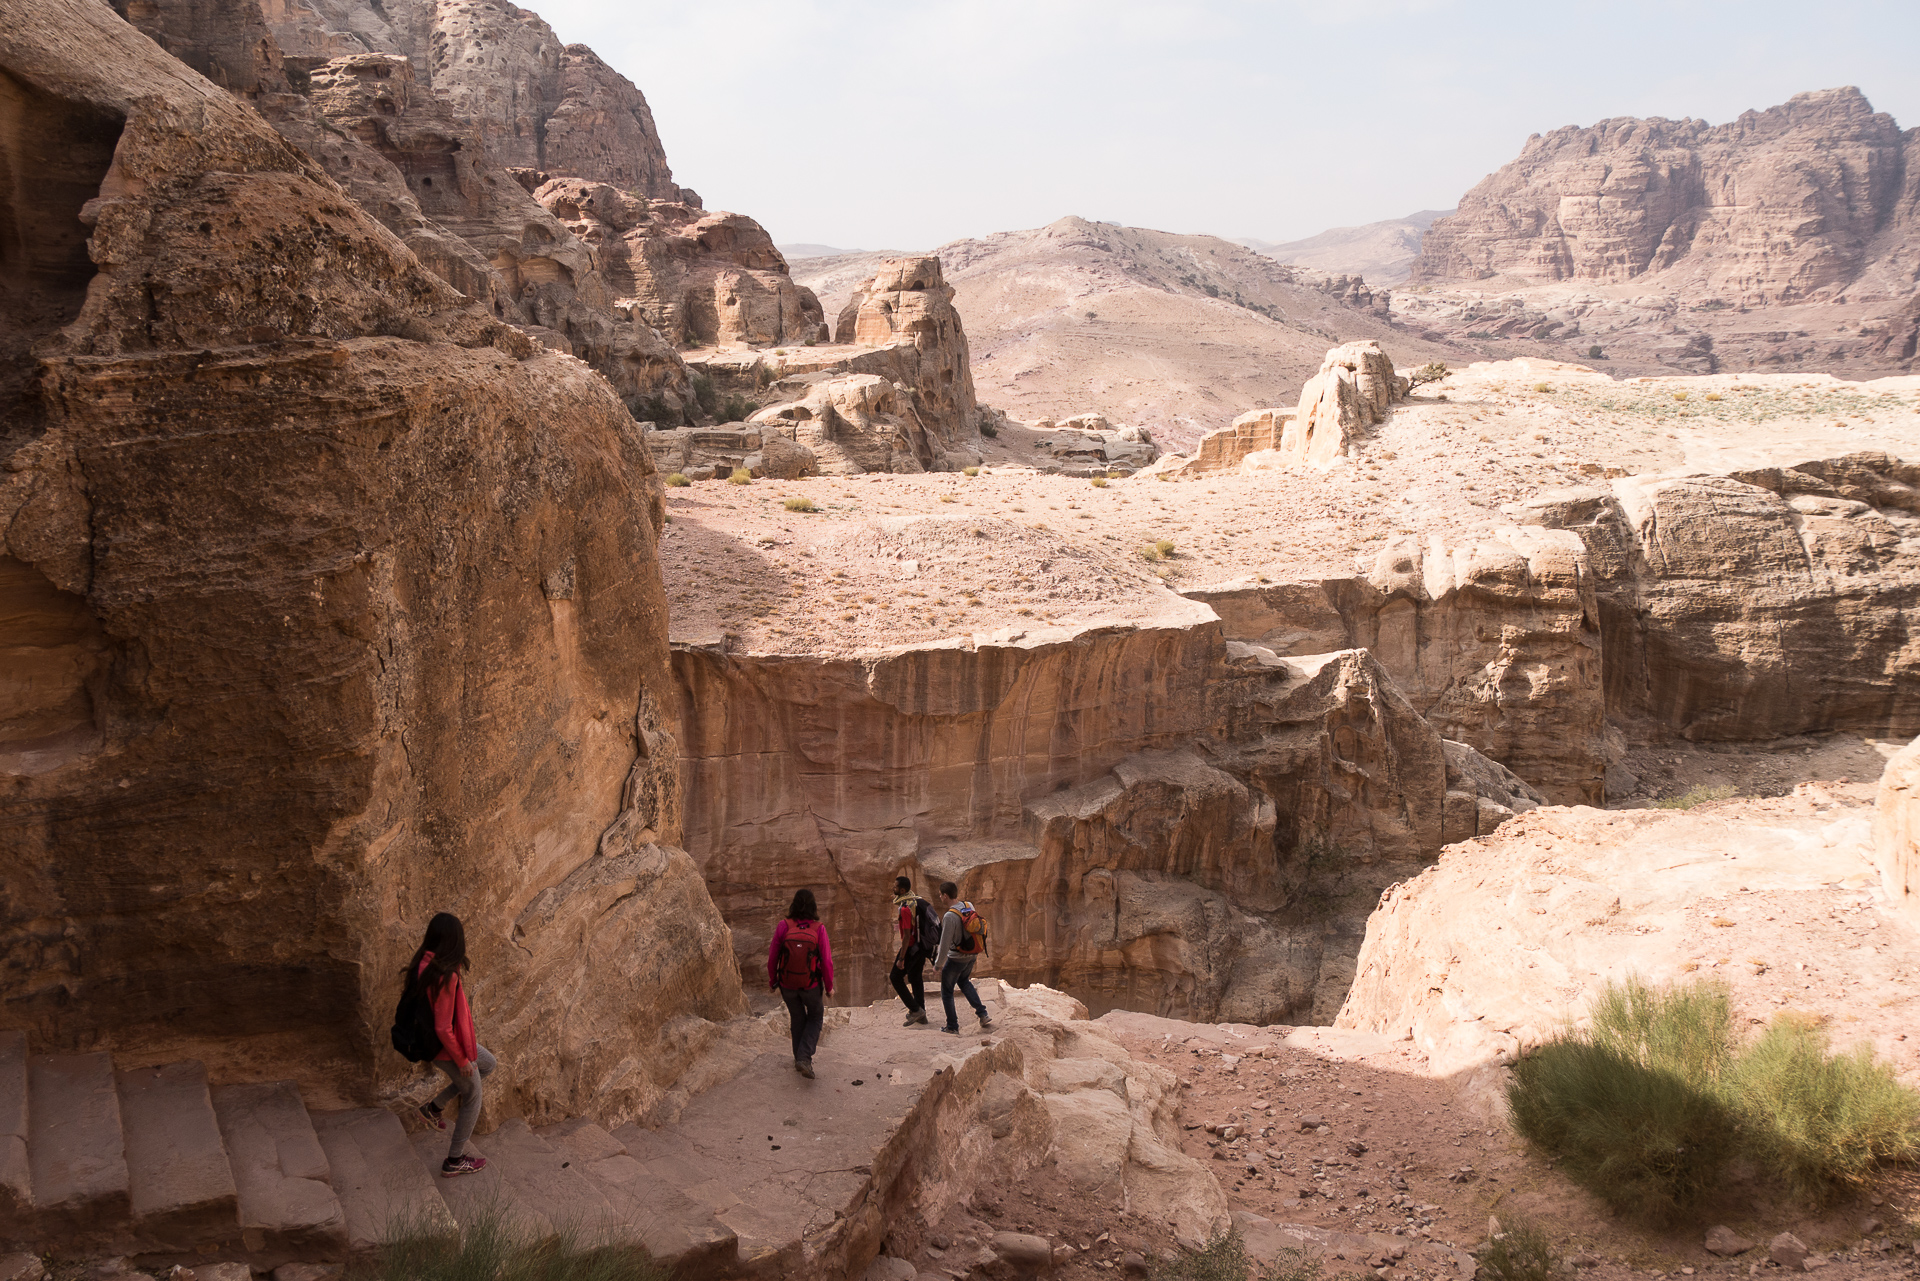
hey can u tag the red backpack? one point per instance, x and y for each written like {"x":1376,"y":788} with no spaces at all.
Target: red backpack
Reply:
{"x":800,"y":956}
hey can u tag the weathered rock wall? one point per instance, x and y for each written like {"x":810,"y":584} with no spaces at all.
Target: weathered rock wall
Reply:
{"x":1150,"y":818}
{"x":345,"y":592}
{"x":908,"y":308}
{"x":1895,"y":849}
{"x":1773,"y":207}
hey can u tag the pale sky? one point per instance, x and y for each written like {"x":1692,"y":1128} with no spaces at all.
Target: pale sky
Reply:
{"x":905,"y":125}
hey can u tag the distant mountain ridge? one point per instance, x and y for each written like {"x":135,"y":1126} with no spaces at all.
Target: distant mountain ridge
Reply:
{"x":1383,"y":251}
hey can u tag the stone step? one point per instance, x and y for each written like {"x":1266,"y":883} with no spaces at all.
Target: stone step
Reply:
{"x":16,"y":1177}
{"x":378,"y":1178}
{"x":472,"y":1198}
{"x":542,"y":1180}
{"x":75,"y":1150}
{"x":287,"y":1211}
{"x":679,"y":1232}
{"x":180,"y":1188}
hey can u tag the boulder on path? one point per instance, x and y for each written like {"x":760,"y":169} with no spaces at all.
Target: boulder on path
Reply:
{"x":1725,"y":1242}
{"x":1789,"y":1251}
{"x":1029,"y":1255}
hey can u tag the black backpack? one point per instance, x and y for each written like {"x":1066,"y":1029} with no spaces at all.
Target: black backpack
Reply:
{"x":414,"y":1035}
{"x":928,"y":926}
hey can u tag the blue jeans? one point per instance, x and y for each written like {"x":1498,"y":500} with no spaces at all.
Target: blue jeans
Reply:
{"x":958,"y":972}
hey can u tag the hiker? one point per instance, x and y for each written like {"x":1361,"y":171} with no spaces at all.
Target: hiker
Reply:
{"x":919,"y":936}
{"x":436,"y":970}
{"x":800,"y":969}
{"x":963,"y":940}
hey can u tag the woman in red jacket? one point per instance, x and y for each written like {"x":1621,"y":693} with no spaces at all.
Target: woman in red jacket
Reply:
{"x":438,"y":964}
{"x":800,"y":969}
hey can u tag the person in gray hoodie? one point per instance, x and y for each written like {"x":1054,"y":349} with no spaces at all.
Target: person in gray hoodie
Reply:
{"x":959,"y":949}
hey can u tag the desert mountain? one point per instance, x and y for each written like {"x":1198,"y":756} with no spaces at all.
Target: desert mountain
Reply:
{"x":1383,"y":252}
{"x":808,"y":250}
{"x":1787,"y":239}
{"x":1176,"y":333}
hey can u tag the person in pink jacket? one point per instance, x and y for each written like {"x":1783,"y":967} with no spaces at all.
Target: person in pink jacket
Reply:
{"x":800,"y":969}
{"x":438,"y":964}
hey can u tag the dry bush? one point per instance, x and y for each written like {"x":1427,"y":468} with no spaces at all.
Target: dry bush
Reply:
{"x":741,"y":476}
{"x":800,"y":505}
{"x":677,"y":480}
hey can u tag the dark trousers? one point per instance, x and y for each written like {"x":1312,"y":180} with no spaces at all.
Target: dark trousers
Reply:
{"x":908,"y":979}
{"x":958,"y":972}
{"x":806,"y":1010}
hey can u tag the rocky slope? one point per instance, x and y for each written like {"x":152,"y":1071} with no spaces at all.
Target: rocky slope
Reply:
{"x":332,"y":604}
{"x":1383,"y":252}
{"x":1789,"y":238}
{"x":1179,"y":334}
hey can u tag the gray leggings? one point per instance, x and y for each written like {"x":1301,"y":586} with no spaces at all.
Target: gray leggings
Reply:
{"x":467,"y":1090}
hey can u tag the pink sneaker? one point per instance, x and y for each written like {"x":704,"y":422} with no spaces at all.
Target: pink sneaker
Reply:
{"x":454,"y":1166}
{"x":430,"y":1113}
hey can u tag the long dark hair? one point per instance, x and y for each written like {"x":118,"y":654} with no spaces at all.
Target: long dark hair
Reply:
{"x":447,"y":940}
{"x":803,"y":907}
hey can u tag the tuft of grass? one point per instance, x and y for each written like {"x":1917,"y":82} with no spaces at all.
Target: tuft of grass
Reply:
{"x":1156,"y":551}
{"x":1698,"y":794}
{"x":800,"y":505}
{"x":493,"y":1246}
{"x":1679,"y":395}
{"x":1522,"y":1252}
{"x":969,"y":471}
{"x":1712,"y":395}
{"x":678,"y":479}
{"x":1224,"y":1258}
{"x":741,"y":476}
{"x":1543,"y":386}
{"x":1098,"y":482}
{"x":1827,"y":1120}
{"x":1293,"y":1265}
{"x":946,"y":498}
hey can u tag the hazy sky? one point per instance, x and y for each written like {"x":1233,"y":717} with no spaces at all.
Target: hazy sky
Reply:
{"x":904,"y":125}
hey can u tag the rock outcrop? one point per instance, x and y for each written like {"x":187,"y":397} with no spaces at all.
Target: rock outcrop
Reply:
{"x":1353,"y":390}
{"x":1778,"y":206}
{"x":908,"y":307}
{"x":1151,"y":818}
{"x":1253,"y":440}
{"x":336,"y":607}
{"x":1896,"y":831}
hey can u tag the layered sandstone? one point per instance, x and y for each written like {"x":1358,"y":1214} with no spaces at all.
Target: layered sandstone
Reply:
{"x":334,"y":600}
{"x":1778,"y":206}
{"x":908,"y":307}
{"x":1353,"y":391}
{"x":1150,"y":817}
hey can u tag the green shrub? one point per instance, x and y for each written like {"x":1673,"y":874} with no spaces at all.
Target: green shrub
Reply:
{"x":494,"y":1247}
{"x":800,"y":505}
{"x":1698,"y":794}
{"x":1520,"y":1253}
{"x":1224,"y":1259}
{"x":1624,"y":1106}
{"x":989,"y":430}
{"x":741,"y":476}
{"x":1431,"y":372}
{"x":1823,"y":1122}
{"x":1098,"y":482}
{"x":677,"y":479}
{"x":1543,"y":386}
{"x":704,"y":393}
{"x":1164,"y":547}
{"x":1594,"y":353}
{"x":735,"y":409}
{"x":1293,"y":1265}
{"x":969,"y":471}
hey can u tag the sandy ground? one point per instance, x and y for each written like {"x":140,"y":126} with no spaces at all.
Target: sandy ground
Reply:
{"x":904,"y":560}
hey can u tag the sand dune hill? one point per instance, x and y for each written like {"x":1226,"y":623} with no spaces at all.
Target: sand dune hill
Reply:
{"x":1177,"y":333}
{"x":1383,"y":251}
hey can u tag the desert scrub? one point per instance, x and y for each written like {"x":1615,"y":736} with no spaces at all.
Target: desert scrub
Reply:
{"x":704,"y":393}
{"x":800,"y":505}
{"x":493,"y":1247}
{"x":1098,"y":482}
{"x":1543,"y":386}
{"x":1698,"y":794}
{"x":1521,"y":1252}
{"x":1646,"y":1106}
{"x":1822,"y":1121}
{"x":736,"y":409}
{"x":969,"y":471}
{"x":741,"y":476}
{"x":678,"y":479}
{"x":1161,"y":550}
{"x":1224,"y":1258}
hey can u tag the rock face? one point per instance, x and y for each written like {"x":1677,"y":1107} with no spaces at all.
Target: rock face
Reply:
{"x":908,"y":307}
{"x":334,"y":604}
{"x":532,"y":101}
{"x":1257,"y":431}
{"x":1776,"y":206}
{"x":1151,"y":818}
{"x":1895,"y":830}
{"x":706,"y":279}
{"x":1352,"y":392}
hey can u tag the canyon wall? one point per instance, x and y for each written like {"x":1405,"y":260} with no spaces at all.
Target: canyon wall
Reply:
{"x":1804,"y":199}
{"x":328,"y":604}
{"x":1150,"y":818}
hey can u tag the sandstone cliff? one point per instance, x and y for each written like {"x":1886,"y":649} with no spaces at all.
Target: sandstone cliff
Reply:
{"x":333,"y":604}
{"x":1817,"y":195}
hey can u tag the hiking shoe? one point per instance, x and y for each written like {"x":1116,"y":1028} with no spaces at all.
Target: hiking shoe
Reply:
{"x":951,"y":1031}
{"x":454,"y":1166}
{"x":985,"y":1022}
{"x":806,"y":1068}
{"x":915,"y":1016}
{"x":430,"y":1113}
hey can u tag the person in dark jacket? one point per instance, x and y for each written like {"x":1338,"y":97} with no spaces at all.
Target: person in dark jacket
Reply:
{"x":465,"y":1062}
{"x":908,"y":975}
{"x":800,"y":969}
